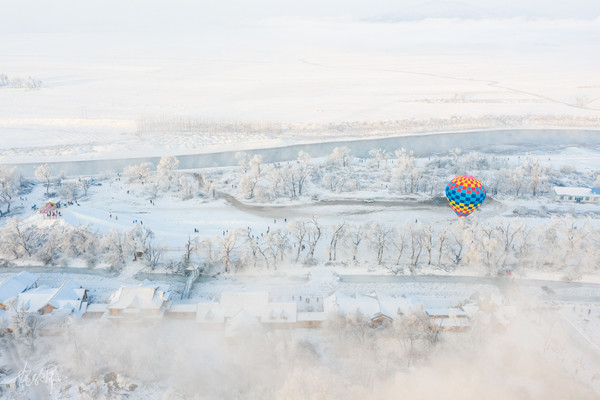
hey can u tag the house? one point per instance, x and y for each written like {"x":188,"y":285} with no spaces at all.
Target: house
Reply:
{"x":279,"y":313}
{"x":234,"y":302}
{"x":44,"y":300}
{"x":182,"y":311}
{"x":310,"y":319}
{"x":139,"y":302}
{"x":358,"y":304}
{"x":577,"y":194}
{"x":244,"y":306}
{"x":95,"y":310}
{"x":15,"y":285}
{"x":210,"y":314}
{"x":9,"y":384}
{"x":448,"y":318}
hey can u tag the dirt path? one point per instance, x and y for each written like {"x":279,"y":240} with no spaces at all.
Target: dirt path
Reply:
{"x":492,"y":206}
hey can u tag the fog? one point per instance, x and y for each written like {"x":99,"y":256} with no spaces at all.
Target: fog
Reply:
{"x":344,"y":359}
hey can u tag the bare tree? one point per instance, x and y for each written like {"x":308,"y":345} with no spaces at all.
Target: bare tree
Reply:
{"x":415,"y":233}
{"x":189,"y":249}
{"x":298,"y":230}
{"x":427,"y":235}
{"x":228,"y":244}
{"x":442,"y":236}
{"x":379,"y":237}
{"x":209,"y":249}
{"x":399,"y":242}
{"x":26,"y":326}
{"x":313,"y":236}
{"x":356,"y":235}
{"x":153,"y":255}
{"x":251,"y":248}
{"x":339,"y":231}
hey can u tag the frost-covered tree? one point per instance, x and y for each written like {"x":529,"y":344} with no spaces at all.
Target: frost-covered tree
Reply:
{"x":249,"y":181}
{"x":114,"y":250}
{"x":138,"y":172}
{"x":339,"y":156}
{"x":378,"y":155}
{"x":9,"y":188}
{"x":334,"y":181}
{"x":20,"y":239}
{"x":405,"y":174}
{"x":52,"y":244}
{"x":166,"y":171}
{"x":138,"y":239}
{"x":70,"y":191}
{"x":81,"y":242}
{"x":44,"y":173}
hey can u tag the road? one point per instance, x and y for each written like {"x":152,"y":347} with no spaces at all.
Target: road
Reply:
{"x":307,"y":210}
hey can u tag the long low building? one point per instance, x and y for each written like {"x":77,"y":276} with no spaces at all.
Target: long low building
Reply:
{"x":577,"y":194}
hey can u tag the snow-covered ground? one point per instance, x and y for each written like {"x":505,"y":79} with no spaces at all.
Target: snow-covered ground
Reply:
{"x":140,"y":79}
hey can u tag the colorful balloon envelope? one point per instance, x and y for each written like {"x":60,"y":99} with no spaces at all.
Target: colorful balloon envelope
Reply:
{"x":465,"y":194}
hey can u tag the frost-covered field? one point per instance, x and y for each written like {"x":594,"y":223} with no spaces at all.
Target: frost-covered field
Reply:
{"x":237,"y":76}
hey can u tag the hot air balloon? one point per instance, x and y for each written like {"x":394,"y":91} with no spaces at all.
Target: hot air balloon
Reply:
{"x":465,"y":194}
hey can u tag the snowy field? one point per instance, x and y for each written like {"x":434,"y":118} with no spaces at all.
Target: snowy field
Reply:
{"x":98,"y":89}
{"x":247,"y":77}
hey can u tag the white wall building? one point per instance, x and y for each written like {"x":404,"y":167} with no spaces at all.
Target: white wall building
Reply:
{"x":577,"y":194}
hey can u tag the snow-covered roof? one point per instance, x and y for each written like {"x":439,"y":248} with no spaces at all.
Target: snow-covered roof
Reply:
{"x":450,"y":323}
{"x":278,"y":312}
{"x":311,"y":316}
{"x":242,"y":322}
{"x":346,"y":305}
{"x":394,"y":305}
{"x":183,"y":307}
{"x":210,"y":313}
{"x":35,"y":299}
{"x":445,"y":312}
{"x":234,"y":302}
{"x":146,"y":297}
{"x":437,"y":302}
{"x":68,"y":296}
{"x":574,"y":191}
{"x":16,"y":284}
{"x":96,"y":307}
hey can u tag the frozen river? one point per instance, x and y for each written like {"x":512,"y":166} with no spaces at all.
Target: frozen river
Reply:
{"x":495,"y":141}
